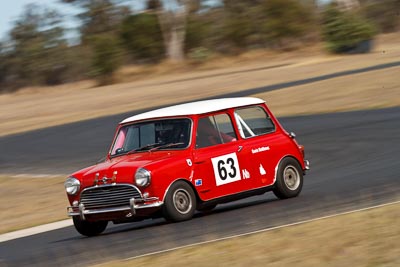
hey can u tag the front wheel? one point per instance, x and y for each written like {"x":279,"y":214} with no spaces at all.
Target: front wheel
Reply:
{"x":180,"y":202}
{"x":89,"y":228}
{"x":289,"y":179}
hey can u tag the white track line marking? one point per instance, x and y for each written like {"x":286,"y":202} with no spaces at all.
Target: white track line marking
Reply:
{"x":35,"y":230}
{"x":262,"y":230}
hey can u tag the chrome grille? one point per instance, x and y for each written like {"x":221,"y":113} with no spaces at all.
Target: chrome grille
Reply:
{"x":109,"y":196}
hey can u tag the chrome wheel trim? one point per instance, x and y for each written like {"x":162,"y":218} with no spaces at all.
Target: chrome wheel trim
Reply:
{"x":291,"y":177}
{"x":182,"y":201}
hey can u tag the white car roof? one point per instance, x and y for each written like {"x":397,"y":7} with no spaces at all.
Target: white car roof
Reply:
{"x":198,"y":107}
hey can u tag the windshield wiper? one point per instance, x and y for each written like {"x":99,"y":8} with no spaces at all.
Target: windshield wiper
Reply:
{"x":148,"y":146}
{"x":166,"y":146}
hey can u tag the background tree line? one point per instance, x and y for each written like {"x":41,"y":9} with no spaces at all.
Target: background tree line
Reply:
{"x":36,"y":51}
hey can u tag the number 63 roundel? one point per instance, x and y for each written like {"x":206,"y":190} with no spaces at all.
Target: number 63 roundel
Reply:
{"x":226,"y":169}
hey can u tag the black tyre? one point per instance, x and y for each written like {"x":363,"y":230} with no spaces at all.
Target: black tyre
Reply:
{"x":179,"y":203}
{"x":89,"y":228}
{"x":289,"y":179}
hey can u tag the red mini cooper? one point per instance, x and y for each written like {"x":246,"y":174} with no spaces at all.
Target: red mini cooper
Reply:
{"x":173,"y":161}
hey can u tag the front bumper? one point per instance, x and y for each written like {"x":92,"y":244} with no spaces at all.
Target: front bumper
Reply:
{"x":112,"y":201}
{"x":131,"y":209}
{"x":306,"y":165}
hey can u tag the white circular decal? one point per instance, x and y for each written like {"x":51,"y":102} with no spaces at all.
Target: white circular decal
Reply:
{"x":226,"y":169}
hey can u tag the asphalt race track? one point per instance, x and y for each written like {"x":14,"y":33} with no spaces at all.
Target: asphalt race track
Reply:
{"x":354,"y":164}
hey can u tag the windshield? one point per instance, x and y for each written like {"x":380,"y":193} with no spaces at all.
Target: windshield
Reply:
{"x":151,"y":135}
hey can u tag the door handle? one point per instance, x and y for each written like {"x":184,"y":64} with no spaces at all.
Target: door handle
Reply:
{"x":240,"y":148}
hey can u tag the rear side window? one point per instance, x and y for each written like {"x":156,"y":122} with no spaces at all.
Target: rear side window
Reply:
{"x":214,"y":130}
{"x":253,"y":121}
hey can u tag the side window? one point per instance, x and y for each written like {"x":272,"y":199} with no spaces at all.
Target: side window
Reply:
{"x":214,"y":130}
{"x":253,"y":121}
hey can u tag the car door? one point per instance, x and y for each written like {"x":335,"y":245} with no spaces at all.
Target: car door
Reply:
{"x":261,"y":143}
{"x":218,"y":158}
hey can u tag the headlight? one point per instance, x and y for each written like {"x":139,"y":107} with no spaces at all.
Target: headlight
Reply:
{"x":72,"y":185}
{"x":142,"y":177}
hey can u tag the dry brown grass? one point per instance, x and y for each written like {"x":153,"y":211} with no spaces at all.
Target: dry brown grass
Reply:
{"x":36,"y":108}
{"x":217,"y":64}
{"x":28,"y":202}
{"x":364,"y":239}
{"x":372,"y":90}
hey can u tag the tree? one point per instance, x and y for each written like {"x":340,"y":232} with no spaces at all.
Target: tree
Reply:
{"x":172,"y":15}
{"x":240,"y":22}
{"x":36,"y":52}
{"x":141,"y":36}
{"x":347,"y":4}
{"x":267,"y":23}
{"x":3,"y":66}
{"x":197,"y":32}
{"x":104,"y":15}
{"x":99,"y":17}
{"x":38,"y":44}
{"x":106,"y":58}
{"x":383,"y":13}
{"x":101,"y":20}
{"x":344,"y":31}
{"x":285,"y":20}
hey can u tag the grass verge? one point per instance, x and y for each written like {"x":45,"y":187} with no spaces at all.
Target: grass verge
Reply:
{"x":28,"y":202}
{"x":364,"y":239}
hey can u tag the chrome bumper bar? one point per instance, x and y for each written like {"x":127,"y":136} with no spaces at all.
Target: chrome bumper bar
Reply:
{"x":133,"y":206}
{"x":307,"y":165}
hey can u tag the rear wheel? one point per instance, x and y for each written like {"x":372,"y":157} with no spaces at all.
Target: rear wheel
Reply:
{"x":89,"y":228}
{"x":179,"y":203}
{"x":289,"y":179}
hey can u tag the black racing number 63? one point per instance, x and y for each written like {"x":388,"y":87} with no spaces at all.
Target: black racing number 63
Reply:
{"x":226,"y":169}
